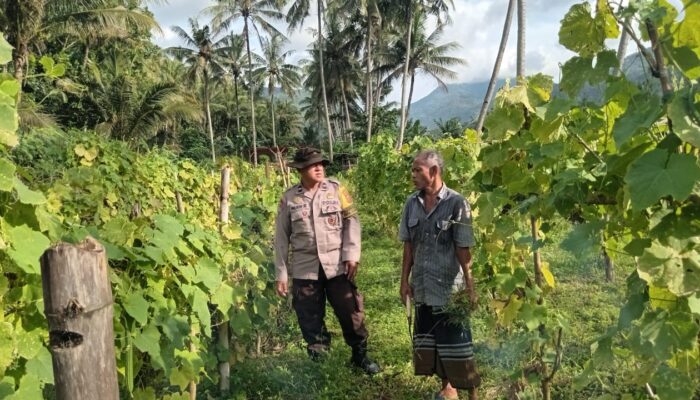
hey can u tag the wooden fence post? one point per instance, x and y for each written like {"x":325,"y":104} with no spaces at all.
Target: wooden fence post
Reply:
{"x":178,"y":201}
{"x":223,"y":331}
{"x":78,"y":307}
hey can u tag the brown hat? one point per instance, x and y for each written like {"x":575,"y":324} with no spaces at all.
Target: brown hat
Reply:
{"x":307,"y":156}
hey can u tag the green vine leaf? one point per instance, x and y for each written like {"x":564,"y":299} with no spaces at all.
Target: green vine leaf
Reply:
{"x":672,"y":384}
{"x":686,"y":41}
{"x":8,"y":125}
{"x":580,"y":32}
{"x":7,"y":345}
{"x":7,"y":175}
{"x":27,"y":246}
{"x":136,"y":306}
{"x":5,"y":50}
{"x":683,"y":124}
{"x":41,"y":365}
{"x":643,"y":112}
{"x":665,"y":266}
{"x":148,"y":342}
{"x":503,"y":122}
{"x":28,"y":196}
{"x":207,"y":273}
{"x":659,"y":173}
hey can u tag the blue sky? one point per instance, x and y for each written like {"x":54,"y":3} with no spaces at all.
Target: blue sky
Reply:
{"x":477,"y":27}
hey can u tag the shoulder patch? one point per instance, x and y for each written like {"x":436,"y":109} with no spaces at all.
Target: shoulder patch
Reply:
{"x":345,"y":198}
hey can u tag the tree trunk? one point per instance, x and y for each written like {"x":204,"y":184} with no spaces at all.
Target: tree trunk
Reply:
{"x":223,"y":331}
{"x":78,"y":307}
{"x":407,"y":61}
{"x":20,"y":62}
{"x":410,"y":95}
{"x":368,"y":96}
{"x":496,"y":67}
{"x":346,"y":109}
{"x":377,"y":91}
{"x":546,"y":387}
{"x":250,"y":89}
{"x":208,"y":116}
{"x":323,"y":79}
{"x":238,"y":110}
{"x":622,"y":48}
{"x":521,"y":39}
{"x":272,"y":111}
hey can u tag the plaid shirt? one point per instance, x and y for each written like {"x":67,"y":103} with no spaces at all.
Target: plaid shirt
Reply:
{"x":436,"y":272}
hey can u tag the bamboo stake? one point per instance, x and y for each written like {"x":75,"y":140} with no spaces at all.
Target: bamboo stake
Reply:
{"x":224,"y":365}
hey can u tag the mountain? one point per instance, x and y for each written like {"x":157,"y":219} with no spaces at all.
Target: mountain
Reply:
{"x":463,"y":100}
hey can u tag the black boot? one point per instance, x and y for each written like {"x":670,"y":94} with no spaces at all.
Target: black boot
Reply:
{"x":362,"y":361}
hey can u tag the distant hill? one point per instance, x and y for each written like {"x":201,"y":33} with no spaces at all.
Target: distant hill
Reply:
{"x":463,"y":100}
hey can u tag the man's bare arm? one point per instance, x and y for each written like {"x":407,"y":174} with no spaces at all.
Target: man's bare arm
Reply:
{"x":464,"y":256}
{"x":406,"y":265}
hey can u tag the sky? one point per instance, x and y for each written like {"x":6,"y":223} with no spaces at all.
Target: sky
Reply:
{"x":477,"y":26}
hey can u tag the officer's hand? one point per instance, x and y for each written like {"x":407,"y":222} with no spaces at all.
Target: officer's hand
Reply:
{"x":282,"y":288}
{"x":351,"y":269}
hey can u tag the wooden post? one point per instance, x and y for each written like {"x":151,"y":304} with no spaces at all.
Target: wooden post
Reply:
{"x":178,"y":200}
{"x":536,"y":252}
{"x":135,"y":211}
{"x":78,"y":307}
{"x":609,"y":266}
{"x":224,"y":366}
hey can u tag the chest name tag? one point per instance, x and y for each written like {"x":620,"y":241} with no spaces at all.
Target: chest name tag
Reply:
{"x":296,"y":207}
{"x":330,"y":209}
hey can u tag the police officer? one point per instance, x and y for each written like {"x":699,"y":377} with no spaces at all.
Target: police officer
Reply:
{"x":318,"y":222}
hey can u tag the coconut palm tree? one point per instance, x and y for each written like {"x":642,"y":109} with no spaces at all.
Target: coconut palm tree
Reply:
{"x":338,"y":83}
{"x":232,"y":57}
{"x":24,"y":20}
{"x":273,"y":71}
{"x":496,"y":67}
{"x":199,"y":53}
{"x":409,"y":8}
{"x":295,"y":17}
{"x":257,"y":15}
{"x":130,"y":109}
{"x":369,"y":12}
{"x":428,"y":56}
{"x":289,"y":121}
{"x":343,"y":46}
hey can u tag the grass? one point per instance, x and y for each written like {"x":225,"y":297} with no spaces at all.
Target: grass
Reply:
{"x":581,"y":296}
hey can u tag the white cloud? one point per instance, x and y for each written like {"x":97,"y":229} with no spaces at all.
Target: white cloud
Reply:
{"x":477,"y":26}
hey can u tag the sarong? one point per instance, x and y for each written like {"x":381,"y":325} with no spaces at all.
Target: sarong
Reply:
{"x":443,"y":348}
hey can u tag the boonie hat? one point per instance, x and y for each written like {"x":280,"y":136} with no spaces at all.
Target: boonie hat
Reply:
{"x":307,"y":156}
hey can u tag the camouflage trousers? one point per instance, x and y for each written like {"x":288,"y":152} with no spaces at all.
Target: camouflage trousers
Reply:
{"x":309,"y":301}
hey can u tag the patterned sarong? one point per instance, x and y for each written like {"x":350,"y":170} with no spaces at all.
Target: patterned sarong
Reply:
{"x":443,"y":348}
